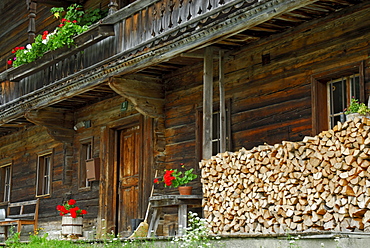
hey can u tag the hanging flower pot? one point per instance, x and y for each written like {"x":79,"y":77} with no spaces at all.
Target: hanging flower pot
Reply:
{"x":185,"y":190}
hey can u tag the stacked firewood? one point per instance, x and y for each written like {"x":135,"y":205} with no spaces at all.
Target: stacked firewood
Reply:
{"x":321,"y":183}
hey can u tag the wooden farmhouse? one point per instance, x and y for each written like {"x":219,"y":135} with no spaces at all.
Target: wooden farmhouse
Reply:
{"x":158,"y":83}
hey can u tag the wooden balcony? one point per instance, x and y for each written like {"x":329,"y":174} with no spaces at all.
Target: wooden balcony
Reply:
{"x":147,"y":34}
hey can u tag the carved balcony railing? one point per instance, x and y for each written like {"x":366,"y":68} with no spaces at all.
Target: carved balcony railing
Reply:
{"x":142,"y":25}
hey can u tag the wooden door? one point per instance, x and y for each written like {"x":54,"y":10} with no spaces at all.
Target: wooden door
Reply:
{"x":128,"y":172}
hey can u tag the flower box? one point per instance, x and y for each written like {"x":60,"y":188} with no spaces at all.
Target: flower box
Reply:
{"x":95,"y":33}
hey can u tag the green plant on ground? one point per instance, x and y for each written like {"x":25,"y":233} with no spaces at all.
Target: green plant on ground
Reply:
{"x":13,"y":240}
{"x":196,"y":235}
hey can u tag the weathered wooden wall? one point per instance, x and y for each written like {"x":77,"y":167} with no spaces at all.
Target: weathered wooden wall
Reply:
{"x":22,"y":148}
{"x":271,"y":102}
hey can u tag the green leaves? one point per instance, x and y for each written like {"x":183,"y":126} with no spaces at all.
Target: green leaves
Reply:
{"x":357,"y":107}
{"x":183,"y":178}
{"x":74,"y":22}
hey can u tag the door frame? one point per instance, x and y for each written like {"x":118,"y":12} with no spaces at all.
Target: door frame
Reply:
{"x":108,"y":186}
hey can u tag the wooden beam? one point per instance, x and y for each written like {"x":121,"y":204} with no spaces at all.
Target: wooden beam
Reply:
{"x":207,"y":102}
{"x":59,"y":123}
{"x":222,"y":102}
{"x":146,"y":94}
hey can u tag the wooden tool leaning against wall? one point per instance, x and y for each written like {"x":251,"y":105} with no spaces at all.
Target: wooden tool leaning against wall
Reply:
{"x":142,"y":229}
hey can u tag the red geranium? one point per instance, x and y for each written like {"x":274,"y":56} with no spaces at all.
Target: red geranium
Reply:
{"x":45,"y":35}
{"x":168,"y":178}
{"x":175,"y":178}
{"x":69,"y":207}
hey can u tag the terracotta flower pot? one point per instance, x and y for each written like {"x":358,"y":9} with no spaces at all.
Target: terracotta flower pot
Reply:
{"x":185,"y":190}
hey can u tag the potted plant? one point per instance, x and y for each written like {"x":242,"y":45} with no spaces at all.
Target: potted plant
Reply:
{"x":71,"y":219}
{"x":356,"y":109}
{"x":178,"y":179}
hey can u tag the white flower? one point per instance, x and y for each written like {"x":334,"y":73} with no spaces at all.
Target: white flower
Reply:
{"x":29,"y":46}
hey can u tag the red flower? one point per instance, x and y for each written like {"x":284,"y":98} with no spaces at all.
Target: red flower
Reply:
{"x":69,"y":207}
{"x":64,"y":20}
{"x":73,"y":214}
{"x":74,"y":21}
{"x":60,"y":25}
{"x":156,"y":180}
{"x":10,"y":62}
{"x":45,"y":34}
{"x":74,"y":211}
{"x":168,"y":178}
{"x":62,"y":210}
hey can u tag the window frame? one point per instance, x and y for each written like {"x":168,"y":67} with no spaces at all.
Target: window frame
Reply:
{"x":4,"y":198}
{"x":199,"y":128}
{"x":82,"y":163}
{"x":44,"y":191}
{"x":319,"y":92}
{"x":347,"y":94}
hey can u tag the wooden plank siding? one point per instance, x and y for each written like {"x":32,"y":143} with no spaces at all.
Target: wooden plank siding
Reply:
{"x":22,"y":148}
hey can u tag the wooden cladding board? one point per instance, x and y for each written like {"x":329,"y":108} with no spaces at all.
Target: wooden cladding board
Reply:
{"x":22,"y":149}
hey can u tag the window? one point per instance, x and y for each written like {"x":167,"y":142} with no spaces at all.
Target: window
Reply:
{"x":44,"y":174}
{"x":340,"y":91}
{"x":331,"y":93}
{"x":216,"y":125}
{"x":216,"y":139}
{"x":85,"y":154}
{"x":5,"y":180}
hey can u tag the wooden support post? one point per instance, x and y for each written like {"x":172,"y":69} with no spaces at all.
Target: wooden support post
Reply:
{"x":207,"y":102}
{"x":182,"y":219}
{"x":222,"y":102}
{"x":113,"y":6}
{"x":154,"y":222}
{"x":31,"y":24}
